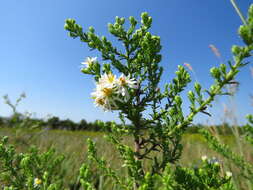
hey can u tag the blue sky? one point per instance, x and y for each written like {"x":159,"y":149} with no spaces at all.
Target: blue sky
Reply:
{"x":37,"y":56}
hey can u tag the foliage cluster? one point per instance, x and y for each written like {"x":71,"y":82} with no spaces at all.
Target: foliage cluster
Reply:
{"x":27,"y":171}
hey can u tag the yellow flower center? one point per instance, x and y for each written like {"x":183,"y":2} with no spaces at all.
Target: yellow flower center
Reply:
{"x":100,"y":101}
{"x":37,"y":181}
{"x":122,"y":81}
{"x":111,"y":78}
{"x":107,"y":91}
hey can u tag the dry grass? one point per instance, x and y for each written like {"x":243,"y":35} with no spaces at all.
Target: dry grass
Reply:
{"x":73,"y":146}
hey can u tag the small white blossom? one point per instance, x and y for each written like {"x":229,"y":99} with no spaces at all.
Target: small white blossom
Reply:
{"x":99,"y":101}
{"x":126,"y":81}
{"x":110,"y":90}
{"x":107,"y":80}
{"x":204,"y":158}
{"x":37,"y":182}
{"x":89,"y":61}
{"x":229,"y":174}
{"x":123,"y":83}
{"x":106,"y":102}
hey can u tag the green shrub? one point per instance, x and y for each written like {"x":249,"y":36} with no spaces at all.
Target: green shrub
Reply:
{"x":31,"y":170}
{"x":156,"y":138}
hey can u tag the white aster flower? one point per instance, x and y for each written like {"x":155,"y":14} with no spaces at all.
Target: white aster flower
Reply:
{"x":103,"y":97}
{"x":107,"y":104}
{"x":126,"y":81}
{"x":107,"y":80}
{"x":204,"y":158}
{"x":37,"y":182}
{"x":103,"y":91}
{"x":89,"y":61}
{"x":228,"y":174}
{"x":99,"y":101}
{"x":110,"y":90}
{"x":123,"y":82}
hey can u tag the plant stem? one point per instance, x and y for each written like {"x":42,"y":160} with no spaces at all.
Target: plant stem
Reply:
{"x":239,"y":12}
{"x":137,"y":151}
{"x":137,"y":147}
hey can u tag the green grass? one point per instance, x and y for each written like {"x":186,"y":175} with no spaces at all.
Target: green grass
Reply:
{"x":72,"y":144}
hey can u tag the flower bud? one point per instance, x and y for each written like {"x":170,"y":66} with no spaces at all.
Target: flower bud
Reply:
{"x":215,"y":72}
{"x":91,"y":44}
{"x":223,"y":68}
{"x":69,"y":23}
{"x":66,"y":26}
{"x":111,"y":28}
{"x":122,"y":21}
{"x":103,"y":39}
{"x":250,"y":13}
{"x":91,"y":29}
{"x":144,"y":16}
{"x":212,"y":88}
{"x":197,"y":87}
{"x":235,"y":49}
{"x":132,"y":20}
{"x":117,"y":19}
{"x":246,"y":35}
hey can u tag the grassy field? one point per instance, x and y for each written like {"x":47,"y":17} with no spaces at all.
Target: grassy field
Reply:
{"x":73,"y":146}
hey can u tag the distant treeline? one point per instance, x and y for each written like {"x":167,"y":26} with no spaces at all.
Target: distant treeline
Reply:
{"x":19,"y":120}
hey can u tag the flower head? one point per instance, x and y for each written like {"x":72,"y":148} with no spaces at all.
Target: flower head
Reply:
{"x":123,"y":83}
{"x":107,"y":80}
{"x":126,"y":81}
{"x":89,"y":61}
{"x":99,"y":101}
{"x":204,"y":158}
{"x":103,"y":91}
{"x":110,"y":90}
{"x":229,"y":174}
{"x":37,"y":182}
